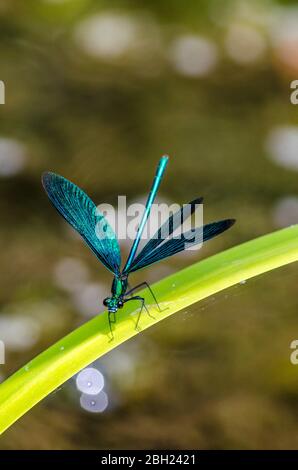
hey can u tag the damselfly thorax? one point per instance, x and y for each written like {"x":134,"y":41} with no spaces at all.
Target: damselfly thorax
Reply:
{"x":118,"y":291}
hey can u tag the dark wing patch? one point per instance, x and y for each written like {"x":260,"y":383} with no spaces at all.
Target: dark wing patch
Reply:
{"x":176,"y":245}
{"x":168,"y":228}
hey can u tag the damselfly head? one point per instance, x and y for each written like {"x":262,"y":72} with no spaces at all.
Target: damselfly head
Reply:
{"x":111,"y":303}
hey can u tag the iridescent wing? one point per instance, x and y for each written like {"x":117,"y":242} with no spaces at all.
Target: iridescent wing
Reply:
{"x":176,"y":245}
{"x":82,"y":214}
{"x":168,"y":228}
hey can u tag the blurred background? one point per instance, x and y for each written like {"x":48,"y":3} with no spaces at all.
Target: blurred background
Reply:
{"x":97,"y":91}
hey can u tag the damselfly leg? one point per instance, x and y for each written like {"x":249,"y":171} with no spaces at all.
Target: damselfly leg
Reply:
{"x":143,"y":306}
{"x":149,"y":288}
{"x":112,"y":319}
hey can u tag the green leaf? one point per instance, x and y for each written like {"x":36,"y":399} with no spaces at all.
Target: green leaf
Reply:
{"x":61,"y":361}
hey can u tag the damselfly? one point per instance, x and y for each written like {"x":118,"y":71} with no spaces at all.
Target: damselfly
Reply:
{"x":83,"y":215}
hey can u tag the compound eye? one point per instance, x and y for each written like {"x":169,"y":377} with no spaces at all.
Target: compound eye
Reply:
{"x":120,"y":304}
{"x":106,"y":302}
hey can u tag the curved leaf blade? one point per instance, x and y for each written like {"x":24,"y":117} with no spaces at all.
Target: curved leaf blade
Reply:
{"x":29,"y":385}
